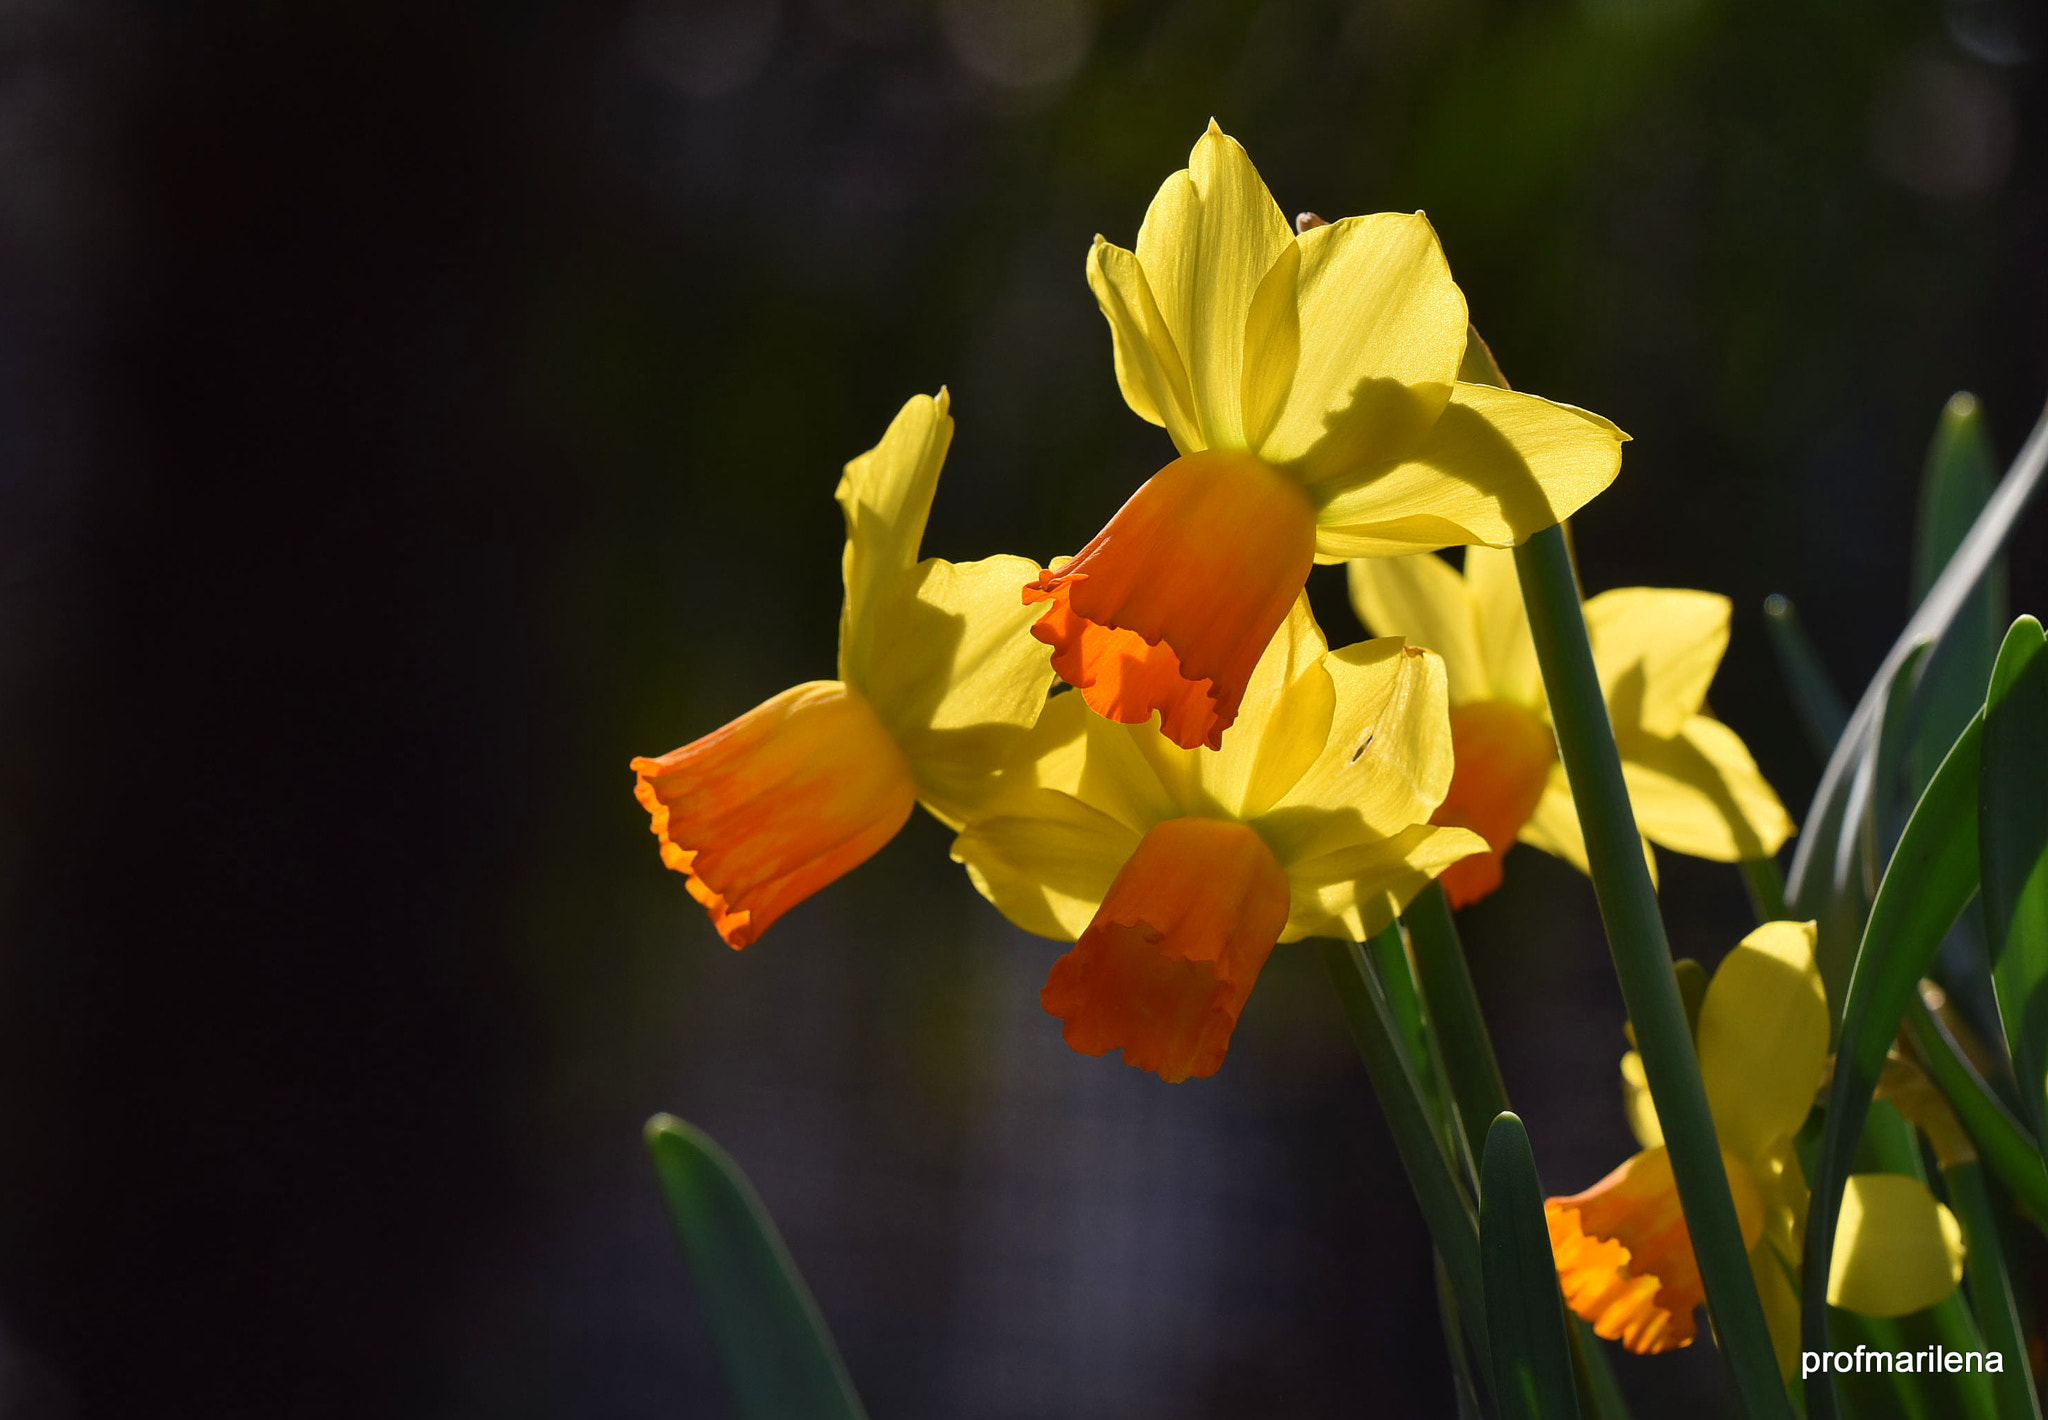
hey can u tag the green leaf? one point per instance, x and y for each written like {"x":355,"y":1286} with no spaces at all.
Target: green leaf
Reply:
{"x":1642,"y":965}
{"x":1814,"y":698}
{"x":1827,"y":880}
{"x":2002,"y":1142}
{"x":779,"y":1359}
{"x":1953,"y":492}
{"x":1474,"y":1073}
{"x":1532,"y":1364}
{"x":1991,"y":1294}
{"x":1932,"y":876}
{"x":1445,"y":1206}
{"x":2013,"y":831}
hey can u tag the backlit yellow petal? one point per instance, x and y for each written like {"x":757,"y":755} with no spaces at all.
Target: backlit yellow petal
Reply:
{"x":1699,"y":792}
{"x":1497,"y":467}
{"x":1423,"y":599}
{"x":1356,"y":891}
{"x":1378,"y":330}
{"x":1504,"y":639}
{"x":1149,"y":369}
{"x":1763,"y":1038}
{"x":886,"y":495}
{"x":1897,"y":1250}
{"x":1046,"y":860}
{"x":1554,"y":827}
{"x":1656,"y":649}
{"x":956,"y":677}
{"x":1209,"y":237}
{"x":1637,"y":1104}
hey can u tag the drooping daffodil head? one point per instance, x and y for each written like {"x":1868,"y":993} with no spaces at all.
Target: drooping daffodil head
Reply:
{"x":938,"y":684}
{"x":1624,"y":1258}
{"x":1691,"y":780}
{"x":1176,"y":871}
{"x":1310,"y":384}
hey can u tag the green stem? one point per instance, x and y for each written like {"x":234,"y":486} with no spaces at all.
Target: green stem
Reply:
{"x":1642,"y":963}
{"x":1475,"y":1077}
{"x":2001,"y":1140}
{"x":1766,"y":888}
{"x":1991,"y":1295}
{"x":1445,"y":1207}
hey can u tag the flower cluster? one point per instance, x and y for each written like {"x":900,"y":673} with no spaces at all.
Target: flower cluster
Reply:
{"x":1221,"y":781}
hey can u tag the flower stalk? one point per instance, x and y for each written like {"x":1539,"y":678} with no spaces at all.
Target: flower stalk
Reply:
{"x":1642,"y":963}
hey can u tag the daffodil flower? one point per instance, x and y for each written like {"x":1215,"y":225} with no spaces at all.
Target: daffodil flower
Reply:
{"x":938,"y":682}
{"x":1623,"y":1255}
{"x":1310,"y":383}
{"x":1692,"y":781}
{"x":1176,"y":871}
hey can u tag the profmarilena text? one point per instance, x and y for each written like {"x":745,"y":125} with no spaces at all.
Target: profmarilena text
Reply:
{"x":1920,"y":1359}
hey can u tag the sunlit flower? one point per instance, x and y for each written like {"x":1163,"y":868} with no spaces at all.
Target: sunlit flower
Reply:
{"x":938,"y":684}
{"x":1692,"y":782}
{"x":1176,"y":871}
{"x":1310,"y":383}
{"x":1623,"y":1255}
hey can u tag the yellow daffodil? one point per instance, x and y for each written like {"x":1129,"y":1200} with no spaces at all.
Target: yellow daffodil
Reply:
{"x":938,"y":682}
{"x":1310,"y":383}
{"x":1623,"y":1255}
{"x":1693,"y":784}
{"x":1176,"y":871}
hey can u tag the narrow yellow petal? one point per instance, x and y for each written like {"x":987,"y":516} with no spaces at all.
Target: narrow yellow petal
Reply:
{"x":1355,"y":891}
{"x":1498,"y":467}
{"x":1045,"y":860}
{"x":1284,"y":724}
{"x":1423,"y":599}
{"x":1504,"y":638}
{"x":886,"y":495}
{"x":1763,"y":1038}
{"x":1378,"y":331}
{"x":1897,"y":1250}
{"x":1637,"y":1104}
{"x":1554,"y":827}
{"x":1209,"y":238}
{"x":1699,"y":792}
{"x":1149,"y":368}
{"x":1657,"y":650}
{"x":954,"y":674}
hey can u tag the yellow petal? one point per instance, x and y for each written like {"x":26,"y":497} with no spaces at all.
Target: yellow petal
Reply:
{"x":1283,"y":726}
{"x":1637,"y":1104}
{"x":1209,"y":237}
{"x":1699,"y":792}
{"x":1763,"y":1038}
{"x":1504,"y":639}
{"x":1355,"y":891}
{"x":1423,"y":599}
{"x":886,"y":495}
{"x":1371,"y":327}
{"x":1897,"y":1250}
{"x":1497,"y":467}
{"x":1554,"y":827}
{"x":1149,"y":369}
{"x":1387,"y":762}
{"x":955,"y":675}
{"x":1656,"y":649}
{"x":1046,"y":860}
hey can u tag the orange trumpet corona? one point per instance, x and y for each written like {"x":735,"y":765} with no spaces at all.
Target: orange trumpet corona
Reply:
{"x":1503,"y":753}
{"x":1625,"y":1259}
{"x":763,"y":812}
{"x":1165,"y":967}
{"x":1171,"y":605}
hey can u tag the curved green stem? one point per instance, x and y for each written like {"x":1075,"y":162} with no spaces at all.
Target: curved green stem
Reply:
{"x":1642,"y":963}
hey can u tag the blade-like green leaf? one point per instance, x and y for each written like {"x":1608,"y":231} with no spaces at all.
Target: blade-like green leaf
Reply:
{"x":779,"y":1359}
{"x":1932,"y":875}
{"x":1991,"y":1294}
{"x":1830,"y":860}
{"x":2012,"y":829}
{"x":1953,"y":492}
{"x":1475,"y":1077}
{"x":1445,"y":1206}
{"x":1814,"y":698}
{"x":1387,"y":954}
{"x":2001,"y":1140}
{"x":1532,"y":1364}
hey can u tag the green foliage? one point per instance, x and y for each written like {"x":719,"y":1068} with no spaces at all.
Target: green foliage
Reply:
{"x":1532,"y":1365}
{"x":2013,"y":829}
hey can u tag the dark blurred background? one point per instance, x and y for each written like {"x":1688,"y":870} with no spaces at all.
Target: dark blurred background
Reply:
{"x":409,"y":412}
